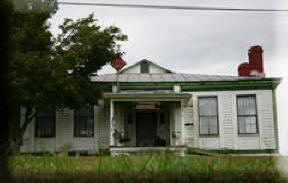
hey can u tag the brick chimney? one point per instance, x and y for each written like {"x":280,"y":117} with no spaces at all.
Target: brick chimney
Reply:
{"x":255,"y":65}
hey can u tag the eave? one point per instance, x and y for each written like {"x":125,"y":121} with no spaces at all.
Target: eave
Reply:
{"x":241,"y":84}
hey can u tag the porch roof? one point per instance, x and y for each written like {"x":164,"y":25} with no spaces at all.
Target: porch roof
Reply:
{"x":147,"y":96}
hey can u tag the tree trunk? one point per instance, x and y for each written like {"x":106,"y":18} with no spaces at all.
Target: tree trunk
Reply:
{"x":29,"y":115}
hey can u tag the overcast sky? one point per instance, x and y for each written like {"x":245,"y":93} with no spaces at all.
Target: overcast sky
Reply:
{"x":204,"y":42}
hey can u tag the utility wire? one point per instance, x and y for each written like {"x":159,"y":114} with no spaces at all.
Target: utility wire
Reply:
{"x":197,"y":8}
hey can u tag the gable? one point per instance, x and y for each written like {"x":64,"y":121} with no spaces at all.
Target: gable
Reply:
{"x":145,"y":66}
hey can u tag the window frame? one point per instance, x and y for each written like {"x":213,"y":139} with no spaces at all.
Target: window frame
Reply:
{"x":36,"y":135}
{"x":86,"y":116}
{"x":142,"y":68}
{"x":256,"y":115}
{"x":208,"y":134}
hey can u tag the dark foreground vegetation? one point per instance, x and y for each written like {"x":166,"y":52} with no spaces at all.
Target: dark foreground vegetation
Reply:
{"x":151,"y":168}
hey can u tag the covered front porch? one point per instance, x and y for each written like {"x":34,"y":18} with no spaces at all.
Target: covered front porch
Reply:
{"x":146,"y":120}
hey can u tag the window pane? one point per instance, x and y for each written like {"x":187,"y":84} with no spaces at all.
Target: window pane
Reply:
{"x":80,"y":126}
{"x":246,"y":105}
{"x":208,"y":106}
{"x":45,"y":123}
{"x":247,"y":124}
{"x":84,"y":122}
{"x":208,"y":125}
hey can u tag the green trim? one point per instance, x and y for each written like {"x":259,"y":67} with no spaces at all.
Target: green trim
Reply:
{"x":246,"y":151}
{"x":147,"y":95}
{"x":146,"y":87}
{"x":275,"y":118}
{"x":236,"y":151}
{"x":240,"y":84}
{"x":100,"y":152}
{"x":226,"y":88}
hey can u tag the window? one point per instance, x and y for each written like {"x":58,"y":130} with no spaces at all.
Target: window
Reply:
{"x":247,"y":114}
{"x":45,"y":123}
{"x":144,"y":67}
{"x":84,"y":122}
{"x":208,"y":115}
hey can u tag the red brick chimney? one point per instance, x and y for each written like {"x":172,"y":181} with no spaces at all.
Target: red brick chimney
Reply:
{"x":255,"y":65}
{"x":244,"y":69}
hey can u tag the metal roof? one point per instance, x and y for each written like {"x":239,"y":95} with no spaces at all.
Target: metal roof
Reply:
{"x":165,"y":77}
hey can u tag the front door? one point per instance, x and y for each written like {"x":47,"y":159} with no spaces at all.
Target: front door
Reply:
{"x":146,"y":129}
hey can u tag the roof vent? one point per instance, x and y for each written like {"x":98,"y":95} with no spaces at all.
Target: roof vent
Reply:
{"x":144,"y":67}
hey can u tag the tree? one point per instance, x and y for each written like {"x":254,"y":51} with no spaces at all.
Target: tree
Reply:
{"x":31,"y":43}
{"x":55,"y":72}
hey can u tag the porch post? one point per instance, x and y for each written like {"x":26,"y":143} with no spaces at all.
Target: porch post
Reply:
{"x":112,"y":124}
{"x":183,"y":133}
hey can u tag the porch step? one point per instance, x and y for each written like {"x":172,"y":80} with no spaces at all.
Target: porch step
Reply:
{"x":205,"y":152}
{"x":146,"y":150}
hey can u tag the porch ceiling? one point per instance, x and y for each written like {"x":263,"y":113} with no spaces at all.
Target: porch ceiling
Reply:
{"x":147,"y":96}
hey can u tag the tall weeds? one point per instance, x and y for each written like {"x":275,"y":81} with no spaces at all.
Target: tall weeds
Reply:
{"x":150,"y":168}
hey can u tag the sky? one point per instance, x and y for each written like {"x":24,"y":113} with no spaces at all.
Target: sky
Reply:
{"x":199,"y":42}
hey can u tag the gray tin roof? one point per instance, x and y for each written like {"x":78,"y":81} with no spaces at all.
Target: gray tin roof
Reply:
{"x":165,"y":77}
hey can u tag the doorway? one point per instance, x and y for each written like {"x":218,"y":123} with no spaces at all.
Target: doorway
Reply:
{"x":146,"y":129}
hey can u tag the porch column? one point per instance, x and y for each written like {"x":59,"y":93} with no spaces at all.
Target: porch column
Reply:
{"x":183,"y":133}
{"x":112,"y":124}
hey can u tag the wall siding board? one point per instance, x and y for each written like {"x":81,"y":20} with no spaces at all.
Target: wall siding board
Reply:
{"x":104,"y":127}
{"x":62,"y":129}
{"x":228,"y":125}
{"x":229,"y":137}
{"x":188,"y":119}
{"x":227,"y":114}
{"x":27,"y":138}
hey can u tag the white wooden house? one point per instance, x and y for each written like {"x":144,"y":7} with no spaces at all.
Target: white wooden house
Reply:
{"x":146,"y":105}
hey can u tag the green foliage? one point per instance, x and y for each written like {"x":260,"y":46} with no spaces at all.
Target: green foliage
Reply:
{"x":47,"y":71}
{"x":30,"y":63}
{"x":40,"y":66}
{"x":85,"y":46}
{"x":152,"y":168}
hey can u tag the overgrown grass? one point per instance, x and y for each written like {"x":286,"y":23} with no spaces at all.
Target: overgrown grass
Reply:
{"x":151,"y":168}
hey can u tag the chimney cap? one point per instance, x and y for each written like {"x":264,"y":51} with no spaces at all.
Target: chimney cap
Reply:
{"x":256,"y":48}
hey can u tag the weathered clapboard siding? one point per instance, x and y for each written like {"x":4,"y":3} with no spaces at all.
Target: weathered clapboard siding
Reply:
{"x":248,"y":142}
{"x":27,"y":137}
{"x":227,"y":114}
{"x":228,"y":140}
{"x":189,"y":127}
{"x":177,"y":116}
{"x":104,"y":126}
{"x":266,"y":125}
{"x":83,"y":143}
{"x":44,"y":144}
{"x":209,"y":142}
{"x":64,"y":138}
{"x":62,"y":129}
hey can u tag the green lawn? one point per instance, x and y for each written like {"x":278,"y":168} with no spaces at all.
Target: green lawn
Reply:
{"x":152,"y":168}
